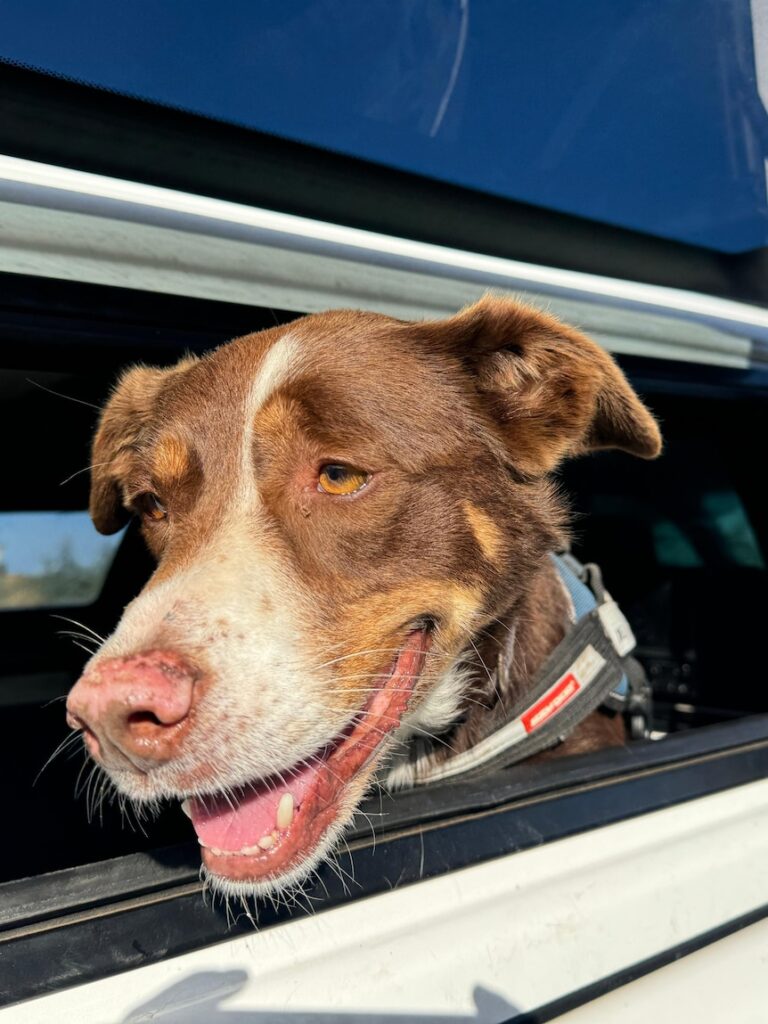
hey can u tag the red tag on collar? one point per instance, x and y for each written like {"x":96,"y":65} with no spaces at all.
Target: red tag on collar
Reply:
{"x":560,"y":694}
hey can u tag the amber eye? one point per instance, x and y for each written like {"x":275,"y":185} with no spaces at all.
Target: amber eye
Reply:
{"x":149,"y":507}
{"x":336,"y":478}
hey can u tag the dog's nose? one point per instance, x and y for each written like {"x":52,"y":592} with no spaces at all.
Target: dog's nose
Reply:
{"x":137,"y":705}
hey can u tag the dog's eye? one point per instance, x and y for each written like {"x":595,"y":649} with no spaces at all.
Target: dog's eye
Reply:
{"x":336,"y":478}
{"x":148,"y":506}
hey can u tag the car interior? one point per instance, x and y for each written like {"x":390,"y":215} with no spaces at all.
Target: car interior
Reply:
{"x":681,"y":543}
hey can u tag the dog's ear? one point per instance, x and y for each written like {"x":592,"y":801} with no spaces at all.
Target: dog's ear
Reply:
{"x":124,"y":418}
{"x":553,"y":390}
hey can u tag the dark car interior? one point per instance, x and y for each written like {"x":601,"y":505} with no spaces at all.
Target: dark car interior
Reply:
{"x":680,"y":541}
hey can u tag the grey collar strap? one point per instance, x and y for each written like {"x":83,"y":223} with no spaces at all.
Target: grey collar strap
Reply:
{"x":589,"y":669}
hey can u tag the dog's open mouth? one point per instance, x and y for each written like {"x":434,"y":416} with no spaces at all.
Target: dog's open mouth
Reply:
{"x":272,"y":827}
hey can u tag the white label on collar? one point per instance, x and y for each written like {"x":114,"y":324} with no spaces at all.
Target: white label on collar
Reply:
{"x":616,"y":627}
{"x":587,"y":665}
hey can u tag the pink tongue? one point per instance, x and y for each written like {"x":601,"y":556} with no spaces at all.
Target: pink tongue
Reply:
{"x":230,"y":824}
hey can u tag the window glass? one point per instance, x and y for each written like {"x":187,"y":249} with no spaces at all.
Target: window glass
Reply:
{"x":695,"y":529}
{"x":646,"y":114}
{"x":50,"y":559}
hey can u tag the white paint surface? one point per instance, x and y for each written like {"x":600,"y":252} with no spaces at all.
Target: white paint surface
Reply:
{"x":724,"y":982}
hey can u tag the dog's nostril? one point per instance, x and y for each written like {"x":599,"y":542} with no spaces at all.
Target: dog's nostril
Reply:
{"x":141,"y":717}
{"x":136,"y":704}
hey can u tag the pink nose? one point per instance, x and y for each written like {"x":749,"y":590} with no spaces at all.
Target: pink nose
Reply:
{"x":138,"y":706}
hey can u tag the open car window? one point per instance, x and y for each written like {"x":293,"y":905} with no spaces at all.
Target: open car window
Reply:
{"x":693,"y":590}
{"x":680,"y":542}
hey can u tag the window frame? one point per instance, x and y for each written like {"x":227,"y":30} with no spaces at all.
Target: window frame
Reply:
{"x":57,"y":121}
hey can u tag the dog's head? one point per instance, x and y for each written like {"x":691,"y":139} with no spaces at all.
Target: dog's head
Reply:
{"x":337,"y":507}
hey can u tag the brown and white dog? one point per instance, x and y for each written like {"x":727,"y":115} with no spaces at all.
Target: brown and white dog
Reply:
{"x":350,"y":515}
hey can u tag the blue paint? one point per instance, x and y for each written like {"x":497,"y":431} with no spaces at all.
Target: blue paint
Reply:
{"x":634,"y":112}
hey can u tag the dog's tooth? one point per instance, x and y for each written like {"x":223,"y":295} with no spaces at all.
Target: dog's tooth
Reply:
{"x":186,"y":808}
{"x":266,"y":842}
{"x":285,"y":810}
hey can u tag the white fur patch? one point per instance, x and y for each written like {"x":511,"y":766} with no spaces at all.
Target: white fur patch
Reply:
{"x":279,"y":364}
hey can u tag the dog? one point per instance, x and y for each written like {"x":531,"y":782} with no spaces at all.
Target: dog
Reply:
{"x":352,"y":516}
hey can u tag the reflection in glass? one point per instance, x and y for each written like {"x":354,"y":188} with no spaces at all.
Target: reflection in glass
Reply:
{"x":52,"y":559}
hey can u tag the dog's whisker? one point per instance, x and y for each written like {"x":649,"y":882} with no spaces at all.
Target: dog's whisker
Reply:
{"x":80,"y":625}
{"x":70,"y":740}
{"x":367,"y":653}
{"x":77,"y":636}
{"x":85,"y":469}
{"x":465,"y":698}
{"x":86,"y":764}
{"x":93,"y":776}
{"x":493,"y":681}
{"x":351,"y":873}
{"x":58,"y":394}
{"x":363,"y":814}
{"x":337,"y":869}
{"x":82,"y":647}
{"x":318,"y":761}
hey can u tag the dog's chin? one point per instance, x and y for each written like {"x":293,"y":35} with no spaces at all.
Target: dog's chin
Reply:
{"x":269,"y":834}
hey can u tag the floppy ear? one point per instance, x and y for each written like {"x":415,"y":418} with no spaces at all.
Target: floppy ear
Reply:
{"x":127,"y":413}
{"x":553,"y":391}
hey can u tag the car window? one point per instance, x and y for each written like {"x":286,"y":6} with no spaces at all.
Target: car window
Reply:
{"x":627,"y":121}
{"x":695,"y":518}
{"x":52,"y":559}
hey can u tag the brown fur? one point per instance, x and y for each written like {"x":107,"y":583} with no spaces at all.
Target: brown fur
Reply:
{"x":459,"y":422}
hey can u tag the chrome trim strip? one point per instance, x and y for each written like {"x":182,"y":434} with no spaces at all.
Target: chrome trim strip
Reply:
{"x":262,"y":256}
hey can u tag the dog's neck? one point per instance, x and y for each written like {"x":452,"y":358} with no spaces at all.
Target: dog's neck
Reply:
{"x":503,"y":662}
{"x":506,"y":657}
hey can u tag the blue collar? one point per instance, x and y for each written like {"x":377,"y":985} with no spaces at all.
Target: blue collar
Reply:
{"x":583,"y":601}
